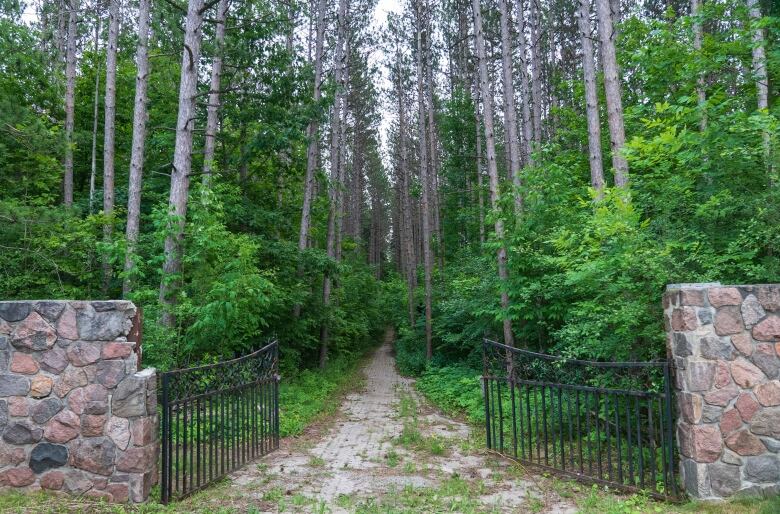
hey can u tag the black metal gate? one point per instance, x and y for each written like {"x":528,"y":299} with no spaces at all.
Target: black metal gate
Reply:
{"x":605,"y":422}
{"x":217,"y":417}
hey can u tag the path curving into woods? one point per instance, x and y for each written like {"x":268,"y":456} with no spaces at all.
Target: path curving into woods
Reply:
{"x":387,"y":450}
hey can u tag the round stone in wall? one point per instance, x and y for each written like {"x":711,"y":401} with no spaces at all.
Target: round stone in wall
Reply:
{"x":47,"y":456}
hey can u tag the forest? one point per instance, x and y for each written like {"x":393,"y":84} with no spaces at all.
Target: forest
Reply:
{"x":533,"y":171}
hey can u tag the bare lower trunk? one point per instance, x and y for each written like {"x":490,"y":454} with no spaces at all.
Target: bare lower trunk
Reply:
{"x":591,"y":101}
{"x":70,"y":99}
{"x":95,"y":102}
{"x":407,"y":237}
{"x":612,"y":87}
{"x":525,"y":89}
{"x":490,"y":145}
{"x":697,"y":40}
{"x":342,"y":141}
{"x":212,"y":111}
{"x":138,"y":145}
{"x":425,"y":186}
{"x":761,"y":76}
{"x":182,"y":161}
{"x":480,"y":187}
{"x":109,"y":129}
{"x":312,"y":132}
{"x":433,"y":159}
{"x":63,"y":9}
{"x":510,"y":115}
{"x":536,"y":69}
{"x":335,"y":179}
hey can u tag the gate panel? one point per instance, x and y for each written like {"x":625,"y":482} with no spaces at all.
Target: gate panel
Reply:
{"x":217,"y":417}
{"x":604,"y":422}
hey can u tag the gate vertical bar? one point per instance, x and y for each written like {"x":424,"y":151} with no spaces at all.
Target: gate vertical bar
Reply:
{"x":669,"y":437}
{"x":486,"y":392}
{"x":166,"y":441}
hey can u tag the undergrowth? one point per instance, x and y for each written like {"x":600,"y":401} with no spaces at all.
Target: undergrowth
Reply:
{"x":456,"y":390}
{"x":316,"y":393}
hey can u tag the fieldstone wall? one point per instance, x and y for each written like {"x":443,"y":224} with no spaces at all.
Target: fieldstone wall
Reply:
{"x":76,"y":415}
{"x":725,"y":341}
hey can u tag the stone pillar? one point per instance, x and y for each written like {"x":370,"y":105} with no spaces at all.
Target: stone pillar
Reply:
{"x":725,"y":342}
{"x":76,"y":415}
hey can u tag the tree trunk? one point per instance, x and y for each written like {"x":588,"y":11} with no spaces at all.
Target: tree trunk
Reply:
{"x":212,"y":111}
{"x":95,"y":104}
{"x":138,"y":145}
{"x":70,"y":102}
{"x":525,"y":89}
{"x":407,"y":232}
{"x":697,"y":40}
{"x":617,"y":133}
{"x":109,"y":129}
{"x":510,"y":115}
{"x":342,"y":143}
{"x":182,"y":160}
{"x":312,"y":131}
{"x":536,"y":70}
{"x":433,"y":154}
{"x":480,"y":187}
{"x":490,"y":145}
{"x":761,"y":76}
{"x":425,"y":186}
{"x":591,"y":101}
{"x":63,"y":8}
{"x":334,"y":211}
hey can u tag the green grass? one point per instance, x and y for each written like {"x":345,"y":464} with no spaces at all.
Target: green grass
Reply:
{"x":393,"y":459}
{"x":316,"y":462}
{"x":456,"y":390}
{"x":453,"y":495}
{"x":600,"y":500}
{"x":315,"y":394}
{"x":411,"y":437}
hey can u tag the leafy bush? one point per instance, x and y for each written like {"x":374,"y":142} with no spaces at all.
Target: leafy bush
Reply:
{"x":409,"y":352}
{"x":314,"y":393}
{"x":454,"y":389}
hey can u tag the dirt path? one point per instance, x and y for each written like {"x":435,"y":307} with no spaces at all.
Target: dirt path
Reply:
{"x":388,"y":451}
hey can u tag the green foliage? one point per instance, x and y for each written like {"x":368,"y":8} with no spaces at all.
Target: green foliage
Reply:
{"x":313,"y":393}
{"x":456,"y":390}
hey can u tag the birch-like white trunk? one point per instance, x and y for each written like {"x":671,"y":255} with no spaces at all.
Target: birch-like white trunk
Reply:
{"x":212,"y":111}
{"x":182,"y":160}
{"x":138,"y":145}
{"x":617,"y":134}
{"x":490,"y":147}
{"x":70,"y":102}
{"x":591,"y":100}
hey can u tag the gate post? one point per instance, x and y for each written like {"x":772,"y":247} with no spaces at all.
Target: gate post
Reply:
{"x":724,"y":344}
